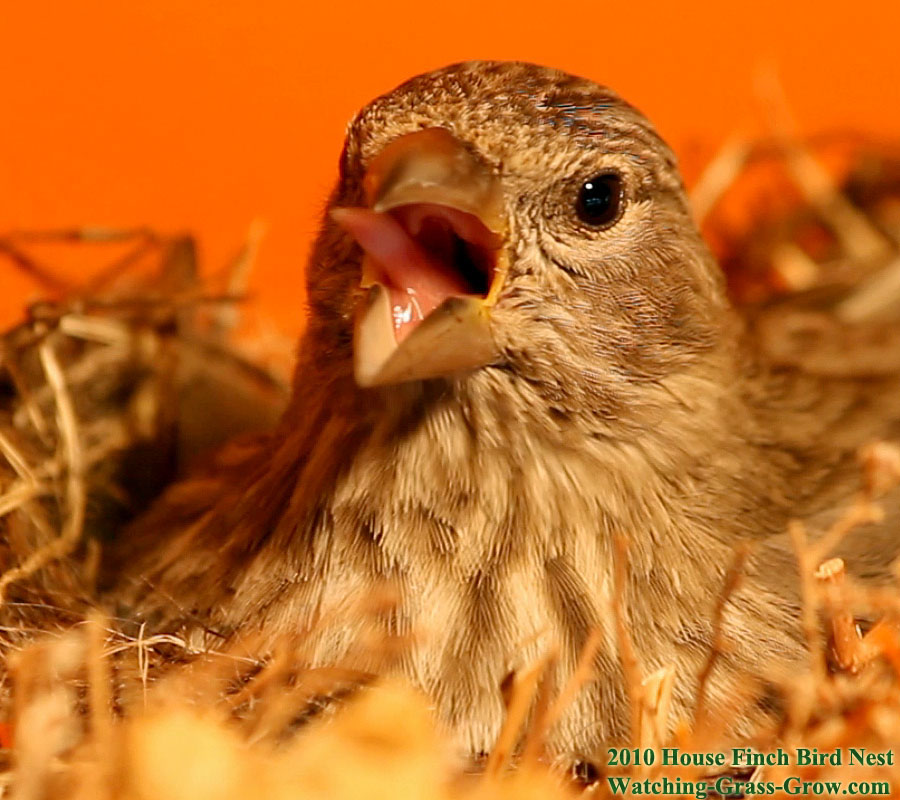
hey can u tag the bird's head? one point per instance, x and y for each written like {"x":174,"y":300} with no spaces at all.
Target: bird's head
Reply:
{"x":505,"y":216}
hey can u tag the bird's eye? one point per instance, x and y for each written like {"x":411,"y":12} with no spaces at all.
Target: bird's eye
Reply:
{"x":600,"y":200}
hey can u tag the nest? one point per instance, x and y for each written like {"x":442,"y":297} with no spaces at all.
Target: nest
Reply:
{"x":106,"y":397}
{"x":109,"y":392}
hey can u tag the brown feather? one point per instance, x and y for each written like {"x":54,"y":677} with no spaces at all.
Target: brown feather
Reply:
{"x":632,"y":399}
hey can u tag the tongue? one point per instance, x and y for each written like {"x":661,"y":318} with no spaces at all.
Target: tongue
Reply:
{"x":418,"y":281}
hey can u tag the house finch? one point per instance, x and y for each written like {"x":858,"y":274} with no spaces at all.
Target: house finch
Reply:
{"x":518,"y":350}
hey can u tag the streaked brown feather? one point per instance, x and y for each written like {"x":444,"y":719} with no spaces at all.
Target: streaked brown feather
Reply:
{"x":634,"y":401}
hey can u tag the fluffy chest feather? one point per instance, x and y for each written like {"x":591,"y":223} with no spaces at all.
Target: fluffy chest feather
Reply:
{"x":497,"y":543}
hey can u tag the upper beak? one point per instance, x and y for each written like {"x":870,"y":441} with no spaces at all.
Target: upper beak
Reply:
{"x":433,"y":238}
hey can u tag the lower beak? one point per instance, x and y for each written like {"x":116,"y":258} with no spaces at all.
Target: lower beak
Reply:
{"x":434,"y":261}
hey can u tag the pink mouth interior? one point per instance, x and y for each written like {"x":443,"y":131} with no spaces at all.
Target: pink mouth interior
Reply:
{"x":423,"y":253}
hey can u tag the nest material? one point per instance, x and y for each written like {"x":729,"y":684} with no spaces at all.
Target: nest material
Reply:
{"x":101,"y":392}
{"x":782,"y":222}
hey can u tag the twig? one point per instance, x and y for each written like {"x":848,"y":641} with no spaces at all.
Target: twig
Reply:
{"x":584,"y":672}
{"x":732,"y":581}
{"x":113,"y":436}
{"x":148,"y":242}
{"x":30,"y":406}
{"x":862,"y":512}
{"x":845,"y":632}
{"x":15,"y":458}
{"x":807,"y":562}
{"x":77,"y":372}
{"x":719,"y":174}
{"x":96,"y":329}
{"x":536,"y":734}
{"x":226,"y":317}
{"x":17,"y":495}
{"x":98,"y":234}
{"x":657,"y":701}
{"x":40,"y":274}
{"x":875,"y":295}
{"x":523,"y":692}
{"x":75,"y":487}
{"x":860,"y":239}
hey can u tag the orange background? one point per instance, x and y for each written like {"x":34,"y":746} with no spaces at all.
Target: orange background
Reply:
{"x":207,"y":114}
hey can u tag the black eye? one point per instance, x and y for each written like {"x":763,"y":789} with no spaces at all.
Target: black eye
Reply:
{"x":600,"y":200}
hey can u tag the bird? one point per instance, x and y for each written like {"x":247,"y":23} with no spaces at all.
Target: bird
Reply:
{"x":519,"y":352}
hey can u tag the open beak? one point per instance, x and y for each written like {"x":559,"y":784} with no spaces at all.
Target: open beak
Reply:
{"x":434,"y":263}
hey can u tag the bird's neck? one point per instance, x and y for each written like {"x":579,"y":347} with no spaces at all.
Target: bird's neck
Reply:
{"x":470,"y":496}
{"x":488,"y":447}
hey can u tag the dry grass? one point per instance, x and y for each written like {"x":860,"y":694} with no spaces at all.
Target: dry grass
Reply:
{"x":115,"y":367}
